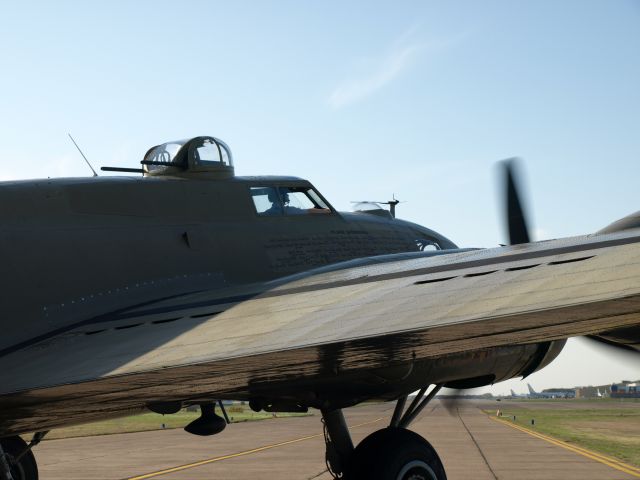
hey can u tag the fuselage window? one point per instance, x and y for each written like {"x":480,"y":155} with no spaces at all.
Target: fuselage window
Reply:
{"x":270,"y":201}
{"x":425,"y":244}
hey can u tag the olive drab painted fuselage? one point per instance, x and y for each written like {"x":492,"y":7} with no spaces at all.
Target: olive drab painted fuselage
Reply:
{"x":79,"y":248}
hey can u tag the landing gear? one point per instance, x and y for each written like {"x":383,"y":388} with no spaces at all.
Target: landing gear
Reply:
{"x":393,"y":453}
{"x":17,"y":461}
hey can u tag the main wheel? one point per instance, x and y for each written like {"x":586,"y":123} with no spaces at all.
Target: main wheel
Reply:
{"x":26,"y":468}
{"x":395,"y":454}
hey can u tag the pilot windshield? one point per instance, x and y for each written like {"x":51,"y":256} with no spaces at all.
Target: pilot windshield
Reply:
{"x":267,"y":201}
{"x":271,"y":201}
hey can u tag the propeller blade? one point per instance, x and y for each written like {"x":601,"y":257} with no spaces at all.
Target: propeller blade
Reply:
{"x":451,"y":401}
{"x":516,"y":220}
{"x":624,"y":342}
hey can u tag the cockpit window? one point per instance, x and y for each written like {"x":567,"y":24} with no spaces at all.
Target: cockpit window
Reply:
{"x":287,"y":201}
{"x":294,"y":198}
{"x":266,"y":200}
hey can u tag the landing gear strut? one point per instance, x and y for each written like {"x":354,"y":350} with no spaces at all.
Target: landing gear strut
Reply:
{"x":338,"y":442}
{"x":393,"y":453}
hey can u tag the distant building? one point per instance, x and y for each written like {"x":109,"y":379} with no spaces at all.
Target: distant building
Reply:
{"x":559,"y":392}
{"x":625,"y":389}
{"x":598,"y":391}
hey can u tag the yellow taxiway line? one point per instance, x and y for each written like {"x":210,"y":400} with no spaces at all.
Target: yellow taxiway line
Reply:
{"x":611,"y":462}
{"x":234,"y":455}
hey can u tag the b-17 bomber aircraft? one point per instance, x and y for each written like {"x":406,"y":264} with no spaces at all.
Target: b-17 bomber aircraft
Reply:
{"x":188,"y":285}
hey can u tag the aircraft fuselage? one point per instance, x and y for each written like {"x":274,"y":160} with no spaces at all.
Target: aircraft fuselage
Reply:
{"x":74,"y":249}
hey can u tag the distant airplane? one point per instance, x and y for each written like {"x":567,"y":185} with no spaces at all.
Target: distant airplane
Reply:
{"x":564,"y":393}
{"x":534,"y":394}
{"x":518,"y":395}
{"x":189,"y":285}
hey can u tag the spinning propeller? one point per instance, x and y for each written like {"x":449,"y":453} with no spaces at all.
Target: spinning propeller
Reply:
{"x":517,"y":228}
{"x":519,"y":233}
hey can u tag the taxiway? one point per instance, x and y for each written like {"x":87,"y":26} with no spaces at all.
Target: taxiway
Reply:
{"x":470,"y":443}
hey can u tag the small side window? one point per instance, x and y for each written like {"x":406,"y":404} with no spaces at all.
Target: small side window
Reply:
{"x":266,"y":200}
{"x":427,"y":244}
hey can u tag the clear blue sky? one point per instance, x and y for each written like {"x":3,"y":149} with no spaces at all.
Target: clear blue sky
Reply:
{"x":365,"y":99}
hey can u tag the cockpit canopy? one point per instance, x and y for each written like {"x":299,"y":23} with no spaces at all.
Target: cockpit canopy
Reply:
{"x":199,"y":154}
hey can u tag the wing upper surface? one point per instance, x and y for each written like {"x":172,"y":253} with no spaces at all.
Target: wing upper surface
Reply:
{"x":436,"y":305}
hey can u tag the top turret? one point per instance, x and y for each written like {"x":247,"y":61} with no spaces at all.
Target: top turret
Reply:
{"x":199,"y":155}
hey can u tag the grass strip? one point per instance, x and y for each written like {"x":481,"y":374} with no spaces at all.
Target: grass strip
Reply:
{"x":152,"y":421}
{"x":614,"y":432}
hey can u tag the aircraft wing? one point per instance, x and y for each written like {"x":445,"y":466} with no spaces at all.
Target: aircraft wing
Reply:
{"x":354,"y":318}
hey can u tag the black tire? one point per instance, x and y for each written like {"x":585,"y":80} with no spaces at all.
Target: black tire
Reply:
{"x":395,"y":454}
{"x":26,"y":469}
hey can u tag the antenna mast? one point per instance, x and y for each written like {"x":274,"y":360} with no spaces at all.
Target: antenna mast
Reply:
{"x":85,"y":158}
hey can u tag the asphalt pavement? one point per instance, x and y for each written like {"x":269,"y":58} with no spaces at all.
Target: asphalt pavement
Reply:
{"x":469,"y":442}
